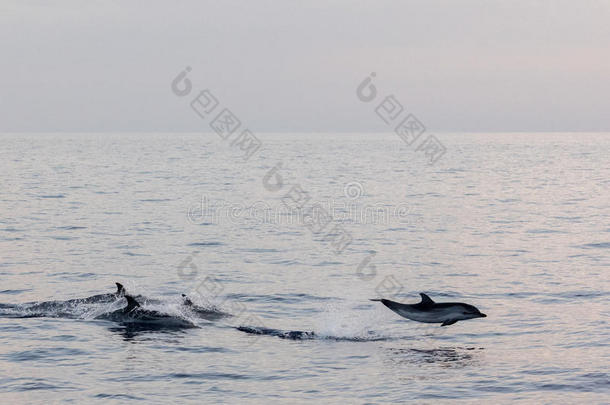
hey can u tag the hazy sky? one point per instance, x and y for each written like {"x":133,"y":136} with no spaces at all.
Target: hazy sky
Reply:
{"x":295,"y":65}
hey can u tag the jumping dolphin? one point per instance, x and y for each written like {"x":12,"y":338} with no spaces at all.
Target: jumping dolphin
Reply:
{"x":428,"y":311}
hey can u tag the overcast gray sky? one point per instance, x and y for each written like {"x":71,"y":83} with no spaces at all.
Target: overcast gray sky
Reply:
{"x":295,"y":65}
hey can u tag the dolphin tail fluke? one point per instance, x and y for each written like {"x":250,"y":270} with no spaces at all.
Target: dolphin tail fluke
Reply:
{"x":131,"y":304}
{"x":397,"y":307}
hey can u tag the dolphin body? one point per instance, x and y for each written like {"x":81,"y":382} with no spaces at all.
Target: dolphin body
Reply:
{"x":293,"y":334}
{"x":62,"y":308}
{"x":100,"y":297}
{"x":428,"y":311}
{"x":205,"y":313}
{"x":133,"y":313}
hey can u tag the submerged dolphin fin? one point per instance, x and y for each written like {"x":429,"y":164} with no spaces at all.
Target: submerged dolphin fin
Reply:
{"x":131,"y":304}
{"x":425,"y":300}
{"x":120,"y":290}
{"x":449,"y":322}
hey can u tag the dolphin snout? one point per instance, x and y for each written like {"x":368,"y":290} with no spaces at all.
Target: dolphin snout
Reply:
{"x":482,"y":315}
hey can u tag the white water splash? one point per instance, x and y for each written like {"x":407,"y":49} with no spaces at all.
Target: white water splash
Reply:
{"x":342,"y":321}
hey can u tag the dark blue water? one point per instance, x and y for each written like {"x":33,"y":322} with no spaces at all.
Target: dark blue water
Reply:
{"x":516,"y":224}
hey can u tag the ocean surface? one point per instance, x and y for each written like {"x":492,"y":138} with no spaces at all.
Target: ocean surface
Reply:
{"x":515,"y":224}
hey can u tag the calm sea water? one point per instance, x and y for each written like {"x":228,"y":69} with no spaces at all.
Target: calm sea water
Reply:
{"x":516,"y":224}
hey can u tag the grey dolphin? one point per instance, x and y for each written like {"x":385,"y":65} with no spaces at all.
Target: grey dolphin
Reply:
{"x":209,"y":314}
{"x":120,"y":291}
{"x":133,"y":312}
{"x":428,"y":311}
{"x":293,"y":334}
{"x":63,"y":307}
{"x":100,"y":298}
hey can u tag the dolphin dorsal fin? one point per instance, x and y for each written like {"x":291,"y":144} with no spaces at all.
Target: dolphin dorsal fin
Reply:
{"x":131,"y":304}
{"x":120,"y":290}
{"x":187,"y":300}
{"x":425,"y":300}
